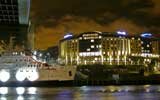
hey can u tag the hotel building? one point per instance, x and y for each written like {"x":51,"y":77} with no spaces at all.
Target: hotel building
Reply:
{"x":14,"y":21}
{"x":107,"y":48}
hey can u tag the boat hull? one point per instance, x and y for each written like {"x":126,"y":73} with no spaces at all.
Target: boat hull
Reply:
{"x":45,"y":74}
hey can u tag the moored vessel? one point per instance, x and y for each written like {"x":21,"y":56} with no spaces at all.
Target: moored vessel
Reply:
{"x":21,"y":67}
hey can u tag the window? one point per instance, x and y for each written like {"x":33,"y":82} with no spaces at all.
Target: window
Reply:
{"x":92,"y":46}
{"x":142,"y":42}
{"x":88,"y":49}
{"x":70,"y":73}
{"x":92,"y":40}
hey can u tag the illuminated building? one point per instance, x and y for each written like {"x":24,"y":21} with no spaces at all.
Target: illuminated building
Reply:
{"x":14,"y":21}
{"x":107,"y":48}
{"x":116,"y":49}
{"x":146,"y":50}
{"x":69,"y":51}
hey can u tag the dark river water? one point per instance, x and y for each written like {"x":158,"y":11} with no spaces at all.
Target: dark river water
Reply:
{"x":143,"y":92}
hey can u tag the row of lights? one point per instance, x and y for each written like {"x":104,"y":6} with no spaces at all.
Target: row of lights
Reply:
{"x":19,"y":90}
{"x":21,"y":75}
{"x":121,"y":33}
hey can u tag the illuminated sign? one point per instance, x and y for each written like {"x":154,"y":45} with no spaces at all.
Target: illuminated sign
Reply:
{"x":121,"y":33}
{"x":69,"y":35}
{"x":146,"y":35}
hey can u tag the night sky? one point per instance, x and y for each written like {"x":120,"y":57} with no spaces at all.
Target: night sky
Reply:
{"x":53,"y":18}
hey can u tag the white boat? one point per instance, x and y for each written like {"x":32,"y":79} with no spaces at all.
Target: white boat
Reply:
{"x":18,"y":67}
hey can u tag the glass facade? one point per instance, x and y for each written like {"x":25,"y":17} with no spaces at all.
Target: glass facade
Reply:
{"x":23,"y":10}
{"x":14,"y":21}
{"x":9,"y":12}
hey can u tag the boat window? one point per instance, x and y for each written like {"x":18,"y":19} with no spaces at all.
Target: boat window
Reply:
{"x":70,"y":73}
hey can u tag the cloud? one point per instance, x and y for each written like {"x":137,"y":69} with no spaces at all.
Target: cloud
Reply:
{"x":49,"y":36}
{"x":44,"y":9}
{"x":53,"y":18}
{"x":46,"y":37}
{"x":156,"y":7}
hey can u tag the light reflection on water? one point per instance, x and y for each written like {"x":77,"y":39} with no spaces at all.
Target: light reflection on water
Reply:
{"x":20,"y":90}
{"x":3,"y":90}
{"x":20,"y":98}
{"x":143,"y":92}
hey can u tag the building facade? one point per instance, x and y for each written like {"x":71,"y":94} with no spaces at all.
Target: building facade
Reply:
{"x":14,"y":21}
{"x":109,"y":49}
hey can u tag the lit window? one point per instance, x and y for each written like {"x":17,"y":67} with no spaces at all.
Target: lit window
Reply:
{"x":84,"y":54}
{"x":97,"y":46}
{"x":92,"y":53}
{"x":88,"y":49}
{"x":100,"y":46}
{"x":142,"y":42}
{"x":92,"y":46}
{"x":80,"y":54}
{"x":92,"y":40}
{"x":88,"y":54}
{"x":100,"y":37}
{"x":147,"y":45}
